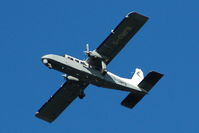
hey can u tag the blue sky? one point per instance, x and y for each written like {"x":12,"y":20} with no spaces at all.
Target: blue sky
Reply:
{"x":167,"y":43}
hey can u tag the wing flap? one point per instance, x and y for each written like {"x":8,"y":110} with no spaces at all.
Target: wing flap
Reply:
{"x":60,"y":100}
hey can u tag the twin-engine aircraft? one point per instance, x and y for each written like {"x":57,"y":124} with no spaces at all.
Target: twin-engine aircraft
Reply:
{"x":80,"y":73}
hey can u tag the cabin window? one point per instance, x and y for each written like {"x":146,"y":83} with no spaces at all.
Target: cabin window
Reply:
{"x":77,"y":60}
{"x":70,"y":58}
{"x":83,"y":63}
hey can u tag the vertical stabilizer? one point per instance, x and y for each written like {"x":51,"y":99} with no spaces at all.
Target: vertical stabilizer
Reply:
{"x":138,"y":76}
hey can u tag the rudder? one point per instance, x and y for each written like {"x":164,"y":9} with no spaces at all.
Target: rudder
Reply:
{"x":138,"y":76}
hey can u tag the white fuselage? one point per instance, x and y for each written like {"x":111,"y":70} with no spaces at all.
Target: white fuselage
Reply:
{"x":81,"y":71}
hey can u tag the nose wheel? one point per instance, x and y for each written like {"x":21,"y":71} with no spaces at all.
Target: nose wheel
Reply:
{"x":45,"y":62}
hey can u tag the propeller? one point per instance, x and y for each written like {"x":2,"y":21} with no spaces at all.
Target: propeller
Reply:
{"x":64,"y":79}
{"x":87,"y":48}
{"x":64,"y":76}
{"x":87,"y":52}
{"x":91,"y":53}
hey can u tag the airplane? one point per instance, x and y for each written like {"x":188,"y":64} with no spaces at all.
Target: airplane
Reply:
{"x":80,"y":73}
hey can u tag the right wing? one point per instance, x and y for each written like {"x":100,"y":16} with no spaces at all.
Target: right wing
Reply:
{"x":119,"y":37}
{"x":60,"y":100}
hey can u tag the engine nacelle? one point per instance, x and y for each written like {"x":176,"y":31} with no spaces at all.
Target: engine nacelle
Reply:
{"x":68,"y":77}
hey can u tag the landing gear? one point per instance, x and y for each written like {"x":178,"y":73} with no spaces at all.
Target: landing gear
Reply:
{"x":103,"y":70}
{"x":45,"y":61}
{"x":82,"y":94}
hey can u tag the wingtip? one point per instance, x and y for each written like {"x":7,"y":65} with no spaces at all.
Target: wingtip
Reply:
{"x":131,"y":13}
{"x":137,"y":14}
{"x":42,"y":117}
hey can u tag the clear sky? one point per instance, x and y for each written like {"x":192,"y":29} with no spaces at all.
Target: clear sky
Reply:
{"x":168,"y":43}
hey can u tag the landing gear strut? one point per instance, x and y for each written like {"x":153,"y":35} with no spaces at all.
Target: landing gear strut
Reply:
{"x":103,"y":71}
{"x":82,"y":94}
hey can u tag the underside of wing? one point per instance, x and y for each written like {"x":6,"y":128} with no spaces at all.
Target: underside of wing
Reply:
{"x":119,"y":37}
{"x":60,"y":100}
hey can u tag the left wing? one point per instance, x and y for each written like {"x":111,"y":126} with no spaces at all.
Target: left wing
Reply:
{"x":118,"y":38}
{"x":60,"y":100}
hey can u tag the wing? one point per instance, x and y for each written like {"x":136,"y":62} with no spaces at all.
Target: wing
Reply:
{"x":118,"y":38}
{"x":60,"y":100}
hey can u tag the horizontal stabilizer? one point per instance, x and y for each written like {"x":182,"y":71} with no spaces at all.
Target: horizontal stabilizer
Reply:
{"x":146,"y":84}
{"x":132,"y":99}
{"x":150,"y":80}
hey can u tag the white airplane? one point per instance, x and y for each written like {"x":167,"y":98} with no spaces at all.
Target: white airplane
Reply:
{"x":80,"y":73}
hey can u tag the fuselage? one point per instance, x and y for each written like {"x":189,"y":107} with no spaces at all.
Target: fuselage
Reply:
{"x":82,"y":71}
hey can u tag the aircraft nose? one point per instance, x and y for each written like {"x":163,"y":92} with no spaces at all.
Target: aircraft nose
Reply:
{"x":45,"y":61}
{"x":44,"y":57}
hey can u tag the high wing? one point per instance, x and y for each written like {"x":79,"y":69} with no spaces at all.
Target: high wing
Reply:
{"x":60,"y":100}
{"x":118,"y":38}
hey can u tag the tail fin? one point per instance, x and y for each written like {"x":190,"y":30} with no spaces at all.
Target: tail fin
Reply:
{"x":138,"y":76}
{"x":146,"y":84}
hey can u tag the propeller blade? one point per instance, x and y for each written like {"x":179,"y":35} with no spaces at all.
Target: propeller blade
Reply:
{"x":87,"y":48}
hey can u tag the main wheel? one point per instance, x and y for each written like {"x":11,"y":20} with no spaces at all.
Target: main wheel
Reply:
{"x":82,"y":95}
